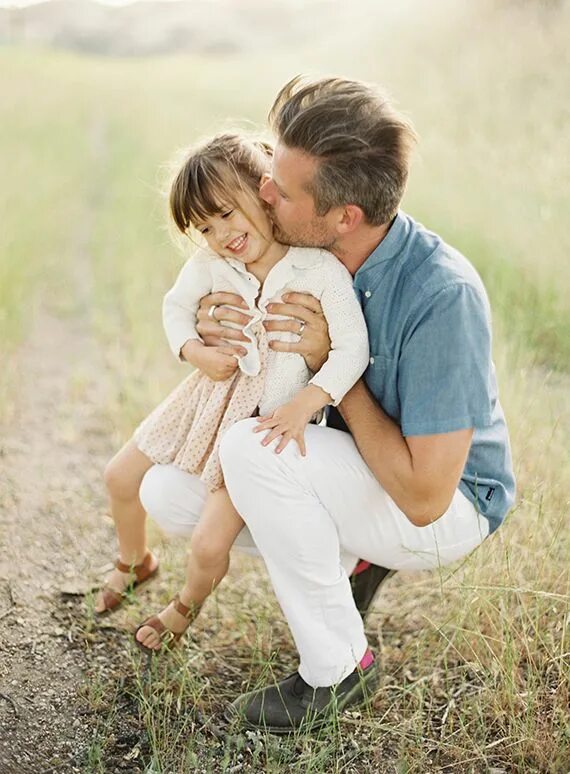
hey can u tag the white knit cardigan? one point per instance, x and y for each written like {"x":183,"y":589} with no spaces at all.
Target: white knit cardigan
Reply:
{"x":302,"y":269}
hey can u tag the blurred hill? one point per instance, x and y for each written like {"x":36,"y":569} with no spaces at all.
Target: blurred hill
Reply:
{"x":143,"y":28}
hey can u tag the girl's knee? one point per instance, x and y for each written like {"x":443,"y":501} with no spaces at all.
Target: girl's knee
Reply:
{"x":121,"y":483}
{"x":207,"y":548}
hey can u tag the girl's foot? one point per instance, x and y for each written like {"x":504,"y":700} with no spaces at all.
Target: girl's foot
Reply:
{"x":167,"y":627}
{"x":121,"y":579}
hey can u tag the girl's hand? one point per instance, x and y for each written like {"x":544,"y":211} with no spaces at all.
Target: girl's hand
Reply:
{"x":218,"y":363}
{"x":288,"y":421}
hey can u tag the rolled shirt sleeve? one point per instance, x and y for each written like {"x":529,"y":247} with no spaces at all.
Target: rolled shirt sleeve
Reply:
{"x":445,"y":368}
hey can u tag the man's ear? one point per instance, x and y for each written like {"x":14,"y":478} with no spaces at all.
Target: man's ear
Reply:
{"x":351,"y":216}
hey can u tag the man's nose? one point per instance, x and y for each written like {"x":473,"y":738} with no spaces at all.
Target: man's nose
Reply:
{"x":267,"y":190}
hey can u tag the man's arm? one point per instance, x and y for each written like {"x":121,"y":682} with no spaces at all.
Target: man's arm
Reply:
{"x":420,"y":473}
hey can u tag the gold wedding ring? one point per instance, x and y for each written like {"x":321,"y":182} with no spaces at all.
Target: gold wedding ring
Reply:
{"x":302,"y":328}
{"x":212,"y":311}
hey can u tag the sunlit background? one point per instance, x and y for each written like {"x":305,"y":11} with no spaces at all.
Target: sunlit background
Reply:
{"x":94,"y":102}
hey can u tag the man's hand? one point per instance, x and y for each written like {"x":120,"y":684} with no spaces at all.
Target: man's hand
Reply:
{"x":288,"y":421}
{"x":213,"y":333}
{"x":314,"y":344}
{"x":218,"y":363}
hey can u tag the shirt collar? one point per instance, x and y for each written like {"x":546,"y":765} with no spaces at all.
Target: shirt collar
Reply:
{"x":234,"y":263}
{"x":390,"y":246}
{"x":303,"y":257}
{"x":299,"y":257}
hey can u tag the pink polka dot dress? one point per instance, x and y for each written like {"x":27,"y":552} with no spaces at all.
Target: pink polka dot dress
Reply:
{"x":186,"y":428}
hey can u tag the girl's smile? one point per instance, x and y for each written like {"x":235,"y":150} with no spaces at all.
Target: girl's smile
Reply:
{"x":238,"y":245}
{"x":231,"y":233}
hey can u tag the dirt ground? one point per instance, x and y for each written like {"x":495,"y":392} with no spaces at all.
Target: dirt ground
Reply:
{"x":68,"y":684}
{"x":53,"y":543}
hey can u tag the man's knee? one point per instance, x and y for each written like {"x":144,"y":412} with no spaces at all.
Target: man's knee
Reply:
{"x":172,"y":498}
{"x":152,"y":492}
{"x":238,"y":445}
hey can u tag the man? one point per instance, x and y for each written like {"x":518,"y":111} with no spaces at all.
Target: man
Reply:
{"x":424,"y":474}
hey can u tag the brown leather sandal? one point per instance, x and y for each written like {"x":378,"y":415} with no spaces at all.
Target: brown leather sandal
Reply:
{"x":168,"y":638}
{"x":142,"y":573}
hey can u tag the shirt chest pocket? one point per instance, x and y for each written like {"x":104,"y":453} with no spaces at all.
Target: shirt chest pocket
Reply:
{"x":380,"y":376}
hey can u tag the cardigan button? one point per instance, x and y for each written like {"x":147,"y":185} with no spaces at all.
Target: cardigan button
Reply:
{"x":368,"y":294}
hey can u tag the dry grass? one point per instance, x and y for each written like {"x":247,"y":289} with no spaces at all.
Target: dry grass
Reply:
{"x":476,"y":662}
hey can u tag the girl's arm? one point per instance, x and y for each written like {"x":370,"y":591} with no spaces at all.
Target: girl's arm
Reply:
{"x":179,"y":310}
{"x":349,"y":354}
{"x":290,"y":420}
{"x":181,"y":303}
{"x":346,"y":362}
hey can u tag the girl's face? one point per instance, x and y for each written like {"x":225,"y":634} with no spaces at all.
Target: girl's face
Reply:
{"x":234,"y":234}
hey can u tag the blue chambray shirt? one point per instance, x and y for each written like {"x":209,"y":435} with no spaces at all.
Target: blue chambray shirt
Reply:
{"x":429,"y":325}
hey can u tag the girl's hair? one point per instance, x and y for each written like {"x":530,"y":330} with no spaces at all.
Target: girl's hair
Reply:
{"x":213,"y":174}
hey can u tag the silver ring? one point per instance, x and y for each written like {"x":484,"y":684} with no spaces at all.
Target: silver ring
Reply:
{"x":302,"y":328}
{"x":212,"y":311}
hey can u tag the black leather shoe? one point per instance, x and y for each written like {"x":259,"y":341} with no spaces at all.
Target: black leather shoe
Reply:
{"x":292,"y":705}
{"x":366,"y":584}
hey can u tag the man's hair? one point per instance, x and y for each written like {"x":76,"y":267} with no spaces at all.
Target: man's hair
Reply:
{"x":362,"y":143}
{"x":213,"y":172}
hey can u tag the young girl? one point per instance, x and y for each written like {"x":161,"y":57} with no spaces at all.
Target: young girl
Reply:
{"x":216,"y":194}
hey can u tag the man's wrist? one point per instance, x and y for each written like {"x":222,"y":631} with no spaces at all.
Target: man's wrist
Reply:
{"x":313,"y":364}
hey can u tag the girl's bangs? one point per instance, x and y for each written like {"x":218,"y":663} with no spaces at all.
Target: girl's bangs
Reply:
{"x":212,"y":192}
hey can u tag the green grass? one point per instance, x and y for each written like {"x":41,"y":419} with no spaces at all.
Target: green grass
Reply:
{"x":475,"y":663}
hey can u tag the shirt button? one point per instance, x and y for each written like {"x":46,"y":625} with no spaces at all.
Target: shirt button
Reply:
{"x":371,"y":361}
{"x":367,"y":294}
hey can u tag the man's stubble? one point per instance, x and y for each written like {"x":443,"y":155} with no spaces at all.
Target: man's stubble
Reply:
{"x":315,"y":234}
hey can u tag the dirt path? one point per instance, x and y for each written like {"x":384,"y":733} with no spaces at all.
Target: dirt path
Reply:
{"x":53,"y":537}
{"x":51,"y":495}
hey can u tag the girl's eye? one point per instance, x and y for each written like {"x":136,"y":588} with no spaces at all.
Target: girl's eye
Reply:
{"x":204,"y":231}
{"x":227,"y":214}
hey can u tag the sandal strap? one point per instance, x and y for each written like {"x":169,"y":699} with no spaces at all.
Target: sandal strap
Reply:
{"x":111,"y":597}
{"x":140,"y":571}
{"x":166,"y":636}
{"x":155,"y":623}
{"x":189,"y":612}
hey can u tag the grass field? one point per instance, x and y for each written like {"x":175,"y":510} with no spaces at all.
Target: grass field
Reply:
{"x":476,"y":662}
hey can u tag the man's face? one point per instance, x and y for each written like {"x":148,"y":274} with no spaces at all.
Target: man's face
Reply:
{"x":287,"y":192}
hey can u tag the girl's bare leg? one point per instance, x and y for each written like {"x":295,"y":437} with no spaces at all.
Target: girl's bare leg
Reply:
{"x":208,"y":562}
{"x":123,"y":477}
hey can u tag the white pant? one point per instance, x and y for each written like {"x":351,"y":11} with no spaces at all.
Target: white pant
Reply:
{"x":311,"y":519}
